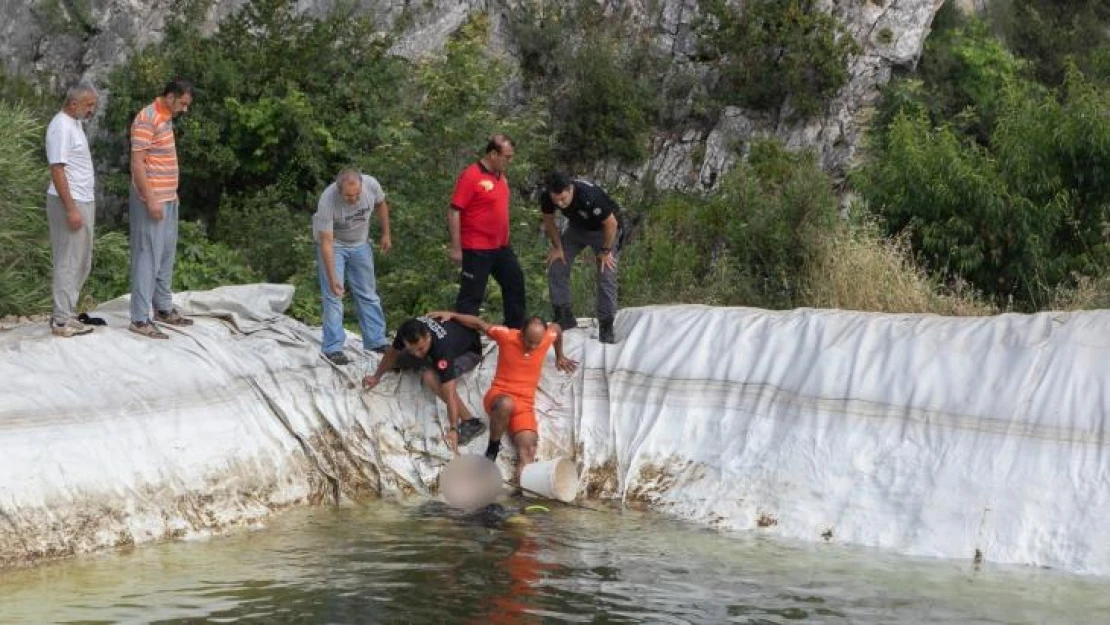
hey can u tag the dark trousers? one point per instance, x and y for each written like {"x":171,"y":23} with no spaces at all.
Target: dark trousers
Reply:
{"x":477,"y":266}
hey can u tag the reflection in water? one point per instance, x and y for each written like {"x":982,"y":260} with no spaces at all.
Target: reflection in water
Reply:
{"x":415,"y":562}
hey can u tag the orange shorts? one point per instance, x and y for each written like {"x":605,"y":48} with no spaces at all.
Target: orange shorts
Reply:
{"x":523,"y":417}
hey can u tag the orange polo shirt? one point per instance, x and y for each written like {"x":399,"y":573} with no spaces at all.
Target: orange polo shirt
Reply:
{"x":518,"y":372}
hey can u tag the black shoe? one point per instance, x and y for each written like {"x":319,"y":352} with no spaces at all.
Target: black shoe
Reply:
{"x":469,"y":429}
{"x":379,"y":349}
{"x":338,"y":358}
{"x":605,"y":332}
{"x":564,"y":316}
{"x":91,"y":321}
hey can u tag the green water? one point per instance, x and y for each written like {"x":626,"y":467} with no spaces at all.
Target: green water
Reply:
{"x":396,"y":562}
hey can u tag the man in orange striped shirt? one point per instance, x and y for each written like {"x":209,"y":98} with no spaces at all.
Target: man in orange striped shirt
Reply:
{"x":153,"y":210}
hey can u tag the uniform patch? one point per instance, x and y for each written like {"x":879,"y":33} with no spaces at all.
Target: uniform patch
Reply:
{"x":441,"y":365}
{"x":486,"y":185}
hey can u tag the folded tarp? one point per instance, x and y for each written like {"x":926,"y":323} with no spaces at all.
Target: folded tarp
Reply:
{"x":952,"y":437}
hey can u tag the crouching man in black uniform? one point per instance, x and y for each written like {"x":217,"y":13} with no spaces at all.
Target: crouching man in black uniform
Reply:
{"x":593,"y":219}
{"x":441,"y":351}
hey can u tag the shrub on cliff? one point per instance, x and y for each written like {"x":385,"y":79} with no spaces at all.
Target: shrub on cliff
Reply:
{"x":746,"y":243}
{"x":768,"y":53}
{"x":995,"y":179}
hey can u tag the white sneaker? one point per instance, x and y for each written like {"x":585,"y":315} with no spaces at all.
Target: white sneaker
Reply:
{"x":70,"y":328}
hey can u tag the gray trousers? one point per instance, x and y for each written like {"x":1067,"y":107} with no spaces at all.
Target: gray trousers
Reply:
{"x":153,"y":249}
{"x":558,"y":274}
{"x":72,"y":255}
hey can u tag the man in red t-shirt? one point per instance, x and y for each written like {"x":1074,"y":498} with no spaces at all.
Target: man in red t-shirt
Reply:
{"x":510,"y":401}
{"x":478,"y":222}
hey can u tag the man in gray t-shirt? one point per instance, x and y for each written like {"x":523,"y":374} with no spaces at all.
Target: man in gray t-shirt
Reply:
{"x":341,"y":227}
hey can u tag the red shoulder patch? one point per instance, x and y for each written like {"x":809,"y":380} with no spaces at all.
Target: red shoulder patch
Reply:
{"x":442,"y":365}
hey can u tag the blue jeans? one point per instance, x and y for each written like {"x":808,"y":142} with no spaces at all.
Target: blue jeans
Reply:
{"x":355,"y":267}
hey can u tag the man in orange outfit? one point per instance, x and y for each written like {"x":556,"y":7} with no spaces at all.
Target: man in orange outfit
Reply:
{"x":511,"y":398}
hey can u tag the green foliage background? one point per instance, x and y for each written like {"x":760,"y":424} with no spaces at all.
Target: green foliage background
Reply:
{"x":986,"y":164}
{"x":998,"y":173}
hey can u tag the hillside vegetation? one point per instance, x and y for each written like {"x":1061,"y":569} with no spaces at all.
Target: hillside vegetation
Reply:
{"x":985,"y":186}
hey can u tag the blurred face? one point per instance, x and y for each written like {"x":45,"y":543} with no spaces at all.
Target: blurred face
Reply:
{"x":420,"y":347}
{"x":179,"y":104}
{"x":563,"y":198}
{"x":351,"y":190}
{"x":499,"y":161}
{"x":84,"y":107}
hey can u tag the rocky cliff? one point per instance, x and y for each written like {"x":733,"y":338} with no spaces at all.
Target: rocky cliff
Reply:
{"x":61,"y":40}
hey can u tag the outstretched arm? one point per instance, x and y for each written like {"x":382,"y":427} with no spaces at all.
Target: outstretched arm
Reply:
{"x":564,"y":364}
{"x":387,"y":362}
{"x":470,"y":321}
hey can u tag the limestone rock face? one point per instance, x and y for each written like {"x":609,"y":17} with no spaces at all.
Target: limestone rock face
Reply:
{"x":891,"y":34}
{"x":66,"y":39}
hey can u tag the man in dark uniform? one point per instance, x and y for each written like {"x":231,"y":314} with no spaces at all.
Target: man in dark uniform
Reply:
{"x":593,"y":219}
{"x":441,"y":351}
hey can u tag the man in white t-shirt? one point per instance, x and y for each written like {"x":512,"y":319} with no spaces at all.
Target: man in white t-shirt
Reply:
{"x":344,"y":256}
{"x":70,"y":206}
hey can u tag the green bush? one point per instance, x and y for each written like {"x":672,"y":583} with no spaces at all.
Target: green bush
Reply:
{"x":966,"y":69}
{"x":774,"y":52}
{"x":1052,"y":34}
{"x":200,"y":264}
{"x":275,"y":102}
{"x":605,"y":114}
{"x":24,"y":237}
{"x":601,"y":87}
{"x":1018,"y":219}
{"x":747,"y":243}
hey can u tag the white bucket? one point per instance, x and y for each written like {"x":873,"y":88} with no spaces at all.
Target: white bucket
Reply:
{"x":555,"y":479}
{"x":470,"y":482}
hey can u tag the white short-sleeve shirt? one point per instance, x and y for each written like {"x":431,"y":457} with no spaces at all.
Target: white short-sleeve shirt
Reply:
{"x":67,"y":144}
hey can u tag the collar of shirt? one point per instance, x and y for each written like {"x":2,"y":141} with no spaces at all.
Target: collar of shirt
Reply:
{"x":486,"y":170}
{"x":161,"y":109}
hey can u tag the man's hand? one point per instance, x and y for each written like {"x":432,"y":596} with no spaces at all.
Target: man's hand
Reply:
{"x":74,"y":219}
{"x":385,"y":244}
{"x":370,"y":381}
{"x":554,"y":255}
{"x":455,"y":254}
{"x":442,"y":315}
{"x":566,"y":365}
{"x":336,"y":288}
{"x":156,"y":211}
{"x":605,"y":261}
{"x":452,"y":439}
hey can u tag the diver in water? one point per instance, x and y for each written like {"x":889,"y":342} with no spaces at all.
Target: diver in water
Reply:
{"x":493,"y":516}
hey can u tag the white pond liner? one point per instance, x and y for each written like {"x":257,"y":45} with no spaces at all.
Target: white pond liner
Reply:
{"x":923,"y":435}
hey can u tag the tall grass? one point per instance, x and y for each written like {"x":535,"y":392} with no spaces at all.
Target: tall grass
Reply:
{"x":854,"y":267}
{"x":24,"y":238}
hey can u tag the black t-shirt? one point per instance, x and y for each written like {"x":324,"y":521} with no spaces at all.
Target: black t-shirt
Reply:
{"x":450,"y":339}
{"x":590,"y":207}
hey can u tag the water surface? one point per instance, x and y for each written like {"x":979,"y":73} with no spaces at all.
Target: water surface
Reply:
{"x":390,"y":562}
